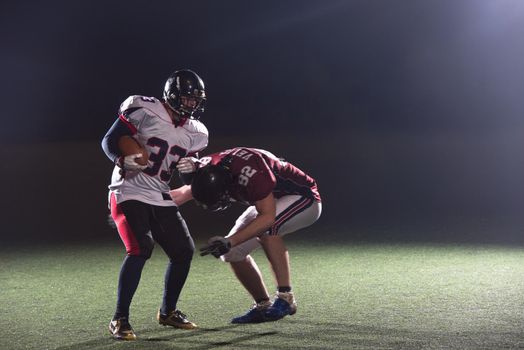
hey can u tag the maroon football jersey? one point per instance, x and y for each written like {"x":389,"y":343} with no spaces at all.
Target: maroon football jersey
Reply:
{"x":257,"y":173}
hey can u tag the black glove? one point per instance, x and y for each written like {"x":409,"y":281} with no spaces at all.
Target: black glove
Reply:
{"x":216,"y":246}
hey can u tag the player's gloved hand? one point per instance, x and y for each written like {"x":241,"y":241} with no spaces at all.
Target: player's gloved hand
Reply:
{"x":216,"y":246}
{"x":129,"y":162}
{"x":187,"y":165}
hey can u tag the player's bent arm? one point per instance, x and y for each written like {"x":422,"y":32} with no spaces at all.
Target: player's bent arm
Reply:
{"x":266,"y":209}
{"x":110,"y":140}
{"x":181,"y":195}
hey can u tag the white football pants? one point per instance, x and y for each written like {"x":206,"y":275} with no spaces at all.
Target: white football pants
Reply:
{"x":293,"y":212}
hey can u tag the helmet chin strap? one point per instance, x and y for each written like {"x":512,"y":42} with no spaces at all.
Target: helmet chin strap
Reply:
{"x":175,"y":116}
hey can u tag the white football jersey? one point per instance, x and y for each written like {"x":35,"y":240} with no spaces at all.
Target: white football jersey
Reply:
{"x":166,"y":144}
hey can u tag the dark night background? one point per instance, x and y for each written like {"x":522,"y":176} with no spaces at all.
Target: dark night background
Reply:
{"x":408,"y":113}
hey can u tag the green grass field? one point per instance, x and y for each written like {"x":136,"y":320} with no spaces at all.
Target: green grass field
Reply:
{"x":351,"y":296}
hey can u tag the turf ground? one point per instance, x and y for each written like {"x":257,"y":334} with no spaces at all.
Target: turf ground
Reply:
{"x":351,"y":296}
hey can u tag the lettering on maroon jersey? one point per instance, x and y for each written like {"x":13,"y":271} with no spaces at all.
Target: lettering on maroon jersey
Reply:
{"x":242,"y":153}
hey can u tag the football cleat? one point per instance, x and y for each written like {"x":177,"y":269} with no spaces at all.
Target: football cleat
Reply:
{"x":120,"y":329}
{"x":175,"y":319}
{"x":283,"y":305}
{"x":254,"y":315}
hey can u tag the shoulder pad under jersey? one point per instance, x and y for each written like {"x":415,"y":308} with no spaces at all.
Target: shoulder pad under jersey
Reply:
{"x":197,"y":126}
{"x":200,"y":134}
{"x":137,"y":101}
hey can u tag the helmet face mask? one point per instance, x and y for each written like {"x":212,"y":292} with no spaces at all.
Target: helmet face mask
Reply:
{"x":210,"y":187}
{"x":185,"y":94}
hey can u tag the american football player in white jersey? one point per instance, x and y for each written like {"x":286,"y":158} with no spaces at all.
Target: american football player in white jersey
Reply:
{"x":139,"y":199}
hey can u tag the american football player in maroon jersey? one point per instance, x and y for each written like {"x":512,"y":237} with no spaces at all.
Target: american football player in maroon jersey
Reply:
{"x":281,"y":199}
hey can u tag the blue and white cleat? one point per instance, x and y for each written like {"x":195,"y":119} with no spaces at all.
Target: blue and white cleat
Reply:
{"x":254,"y":315}
{"x":283,"y":305}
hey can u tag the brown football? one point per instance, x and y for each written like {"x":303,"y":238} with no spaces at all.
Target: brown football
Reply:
{"x":129,"y":145}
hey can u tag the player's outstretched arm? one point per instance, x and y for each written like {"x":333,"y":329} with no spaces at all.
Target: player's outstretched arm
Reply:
{"x":181,"y":194}
{"x":266,"y":209}
{"x":187,"y":165}
{"x":216,"y":246}
{"x":186,"y":169}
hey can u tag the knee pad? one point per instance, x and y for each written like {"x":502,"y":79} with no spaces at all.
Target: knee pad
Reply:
{"x":234,"y":255}
{"x":182,"y":253}
{"x":181,"y":256}
{"x":146,"y":247}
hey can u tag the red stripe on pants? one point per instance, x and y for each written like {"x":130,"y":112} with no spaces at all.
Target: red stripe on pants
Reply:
{"x":124,"y":230}
{"x":289,"y":215}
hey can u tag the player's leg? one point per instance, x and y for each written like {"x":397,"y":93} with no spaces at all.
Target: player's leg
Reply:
{"x":171,"y":233}
{"x":278,"y":256}
{"x":293,"y":213}
{"x":131,"y":219}
{"x":247,"y":272}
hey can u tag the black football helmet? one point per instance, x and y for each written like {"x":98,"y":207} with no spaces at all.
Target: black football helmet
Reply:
{"x":185,"y":82}
{"x":210,"y":187}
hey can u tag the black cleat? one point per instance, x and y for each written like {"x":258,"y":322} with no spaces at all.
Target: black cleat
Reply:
{"x":175,"y":319}
{"x":120,"y":329}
